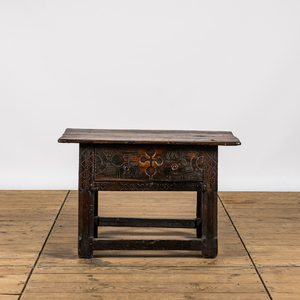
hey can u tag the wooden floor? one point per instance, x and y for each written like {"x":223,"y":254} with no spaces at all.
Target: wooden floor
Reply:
{"x":259,"y":249}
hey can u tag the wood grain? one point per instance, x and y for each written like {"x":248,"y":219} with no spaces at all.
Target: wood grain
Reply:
{"x":60,"y":274}
{"x":167,"y":137}
{"x":143,"y":160}
{"x":271,"y":239}
{"x":26,"y":218}
{"x":268,"y":224}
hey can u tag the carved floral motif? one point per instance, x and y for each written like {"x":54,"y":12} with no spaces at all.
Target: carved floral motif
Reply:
{"x":159,"y":163}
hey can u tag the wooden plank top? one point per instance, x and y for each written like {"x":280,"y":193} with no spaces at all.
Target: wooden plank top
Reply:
{"x":167,"y":137}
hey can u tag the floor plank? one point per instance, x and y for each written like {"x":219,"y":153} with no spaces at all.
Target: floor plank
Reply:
{"x":26,"y":218}
{"x":145,"y":296}
{"x":268,"y":224}
{"x":9,"y":297}
{"x":60,"y":274}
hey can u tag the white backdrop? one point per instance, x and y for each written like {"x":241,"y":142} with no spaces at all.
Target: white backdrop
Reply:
{"x":199,"y":65}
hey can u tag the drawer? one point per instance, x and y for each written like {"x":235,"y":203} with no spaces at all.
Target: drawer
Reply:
{"x":148,"y":163}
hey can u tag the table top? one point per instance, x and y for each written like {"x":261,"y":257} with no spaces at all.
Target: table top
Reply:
{"x":166,"y":137}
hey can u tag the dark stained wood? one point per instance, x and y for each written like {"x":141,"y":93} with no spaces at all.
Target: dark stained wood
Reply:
{"x":148,"y":160}
{"x":95,"y":192}
{"x":147,"y":186}
{"x":142,"y":222}
{"x":167,"y":137}
{"x":199,"y":212}
{"x":148,"y":244}
{"x":86,"y":201}
{"x":209,"y":206}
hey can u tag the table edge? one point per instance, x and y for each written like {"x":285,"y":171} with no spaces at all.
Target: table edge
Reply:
{"x":65,"y":138}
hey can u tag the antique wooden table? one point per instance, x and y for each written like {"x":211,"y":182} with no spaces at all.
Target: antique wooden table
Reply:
{"x":148,"y":160}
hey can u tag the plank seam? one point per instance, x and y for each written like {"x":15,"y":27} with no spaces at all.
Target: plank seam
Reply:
{"x":36,"y":261}
{"x":252,"y":261}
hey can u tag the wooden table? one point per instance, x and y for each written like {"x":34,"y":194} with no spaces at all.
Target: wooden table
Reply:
{"x":148,"y":160}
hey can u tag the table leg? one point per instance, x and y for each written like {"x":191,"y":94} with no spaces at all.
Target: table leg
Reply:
{"x":199,"y":212}
{"x":86,"y":201}
{"x":209,"y":214}
{"x":95,"y":198}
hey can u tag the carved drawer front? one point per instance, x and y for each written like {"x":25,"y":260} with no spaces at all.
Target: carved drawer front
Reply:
{"x":148,"y":163}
